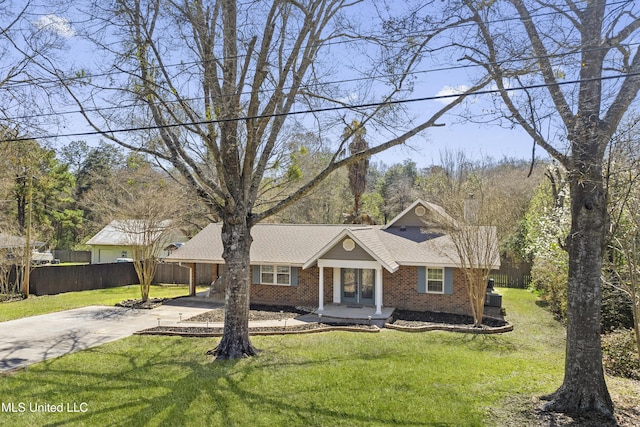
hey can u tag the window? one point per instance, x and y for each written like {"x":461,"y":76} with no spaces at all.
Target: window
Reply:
{"x":283,"y":276}
{"x":266,"y":274}
{"x":275,"y":274}
{"x":435,"y":280}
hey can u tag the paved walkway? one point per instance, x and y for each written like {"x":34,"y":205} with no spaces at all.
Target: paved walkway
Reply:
{"x":38,"y":338}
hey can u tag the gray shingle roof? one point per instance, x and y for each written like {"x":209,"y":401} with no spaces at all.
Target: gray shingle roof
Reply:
{"x":303,"y":244}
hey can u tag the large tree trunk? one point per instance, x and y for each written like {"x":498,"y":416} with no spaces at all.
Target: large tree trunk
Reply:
{"x":236,"y":239}
{"x":584,"y":388}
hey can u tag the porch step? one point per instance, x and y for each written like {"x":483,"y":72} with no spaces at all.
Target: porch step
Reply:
{"x":346,"y":314}
{"x":313,"y":318}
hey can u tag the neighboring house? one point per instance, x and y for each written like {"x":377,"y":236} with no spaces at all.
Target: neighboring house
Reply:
{"x":10,"y":245}
{"x":8,"y":241}
{"x":410,"y":263}
{"x":115,"y":241}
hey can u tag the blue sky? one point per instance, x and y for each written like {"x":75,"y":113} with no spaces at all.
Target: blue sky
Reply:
{"x":476,"y":140}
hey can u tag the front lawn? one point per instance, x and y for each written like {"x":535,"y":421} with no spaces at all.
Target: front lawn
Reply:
{"x":35,"y":305}
{"x":329,"y":379}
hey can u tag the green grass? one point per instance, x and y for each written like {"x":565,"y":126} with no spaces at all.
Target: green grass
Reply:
{"x":330,"y":379}
{"x":51,"y":303}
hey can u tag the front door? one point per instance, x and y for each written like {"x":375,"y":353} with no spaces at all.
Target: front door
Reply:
{"x":358,"y":285}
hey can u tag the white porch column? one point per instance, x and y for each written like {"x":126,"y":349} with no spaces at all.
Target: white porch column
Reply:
{"x":321,"y":290}
{"x":378,"y":290}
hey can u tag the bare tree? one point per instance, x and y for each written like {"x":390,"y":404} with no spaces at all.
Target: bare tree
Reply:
{"x":623,"y":183}
{"x":12,"y":251}
{"x":626,"y":247}
{"x":473,"y":231}
{"x":146,"y":236}
{"x":478,"y":253}
{"x":212,"y":86}
{"x":147,"y":208}
{"x":24,"y":41}
{"x":532,"y":62}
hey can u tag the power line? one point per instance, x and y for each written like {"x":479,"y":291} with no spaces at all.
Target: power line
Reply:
{"x":352,"y":80}
{"x":320,"y":110}
{"x":332,"y":43}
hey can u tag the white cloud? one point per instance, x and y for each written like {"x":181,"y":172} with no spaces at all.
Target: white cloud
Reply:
{"x":56,"y":24}
{"x":449,"y":91}
{"x":349,"y":99}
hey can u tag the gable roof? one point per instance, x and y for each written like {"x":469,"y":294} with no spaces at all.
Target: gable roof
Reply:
{"x":125,"y":233}
{"x":409,"y":216}
{"x":367,"y":239}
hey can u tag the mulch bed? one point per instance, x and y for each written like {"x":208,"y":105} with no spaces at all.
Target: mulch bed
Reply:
{"x":256,"y":312}
{"x":417,"y":321}
{"x":11,"y":297}
{"x":139,"y":304}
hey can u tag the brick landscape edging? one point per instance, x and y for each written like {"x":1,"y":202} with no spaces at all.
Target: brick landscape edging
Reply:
{"x":484,"y":330}
{"x":452,"y":328}
{"x":373,"y":329}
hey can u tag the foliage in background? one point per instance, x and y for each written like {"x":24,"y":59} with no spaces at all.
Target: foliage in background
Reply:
{"x":547,"y":224}
{"x":620,"y":354}
{"x":29,"y":167}
{"x":622,"y":267}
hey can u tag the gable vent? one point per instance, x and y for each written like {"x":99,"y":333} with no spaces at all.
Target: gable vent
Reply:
{"x":420,"y":210}
{"x":348,"y":245}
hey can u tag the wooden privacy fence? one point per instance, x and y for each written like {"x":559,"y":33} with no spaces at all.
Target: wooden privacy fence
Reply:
{"x":72,"y":256}
{"x":51,"y":280}
{"x":506,"y":280}
{"x":512,"y":275}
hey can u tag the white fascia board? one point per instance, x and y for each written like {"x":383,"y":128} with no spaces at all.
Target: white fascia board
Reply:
{"x":346,"y":232}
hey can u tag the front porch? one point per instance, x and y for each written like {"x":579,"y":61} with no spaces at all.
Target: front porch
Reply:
{"x":353,"y":313}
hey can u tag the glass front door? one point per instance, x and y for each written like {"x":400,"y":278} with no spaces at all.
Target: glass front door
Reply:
{"x":358,"y":285}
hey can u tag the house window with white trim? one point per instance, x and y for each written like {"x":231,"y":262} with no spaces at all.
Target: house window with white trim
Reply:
{"x":275,"y":274}
{"x":435,"y":280}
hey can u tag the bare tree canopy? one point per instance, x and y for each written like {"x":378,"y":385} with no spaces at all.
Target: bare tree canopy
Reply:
{"x":213,"y":88}
{"x":27,"y":39}
{"x":566,"y":72}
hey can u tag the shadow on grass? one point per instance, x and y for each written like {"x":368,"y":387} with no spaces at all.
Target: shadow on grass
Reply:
{"x":542,"y":303}
{"x":481,"y":342}
{"x":190,"y":389}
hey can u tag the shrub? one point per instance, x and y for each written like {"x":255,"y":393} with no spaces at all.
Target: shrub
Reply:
{"x":617,"y":310}
{"x":620,"y":354}
{"x":549,"y":277}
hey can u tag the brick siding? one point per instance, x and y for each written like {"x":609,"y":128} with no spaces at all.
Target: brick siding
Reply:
{"x":305,"y":294}
{"x":399,"y":291}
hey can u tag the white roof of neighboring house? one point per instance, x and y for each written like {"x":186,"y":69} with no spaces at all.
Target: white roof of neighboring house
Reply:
{"x":408,"y":243}
{"x":126,"y":233}
{"x":8,"y":241}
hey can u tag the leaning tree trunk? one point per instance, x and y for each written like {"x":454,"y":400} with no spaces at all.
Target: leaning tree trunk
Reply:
{"x":236,"y":240}
{"x":584,"y":388}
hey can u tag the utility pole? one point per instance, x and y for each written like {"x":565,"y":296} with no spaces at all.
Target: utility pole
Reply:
{"x":27,"y":266}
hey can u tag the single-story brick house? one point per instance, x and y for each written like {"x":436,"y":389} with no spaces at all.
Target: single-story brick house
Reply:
{"x":409,"y":263}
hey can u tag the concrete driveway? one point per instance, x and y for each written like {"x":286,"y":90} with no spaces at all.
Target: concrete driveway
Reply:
{"x":38,"y":338}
